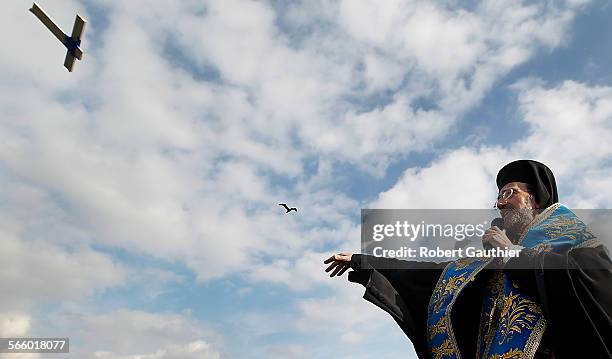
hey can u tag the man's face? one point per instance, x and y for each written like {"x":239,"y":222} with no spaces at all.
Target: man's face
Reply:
{"x":516,"y":210}
{"x":520,"y":198}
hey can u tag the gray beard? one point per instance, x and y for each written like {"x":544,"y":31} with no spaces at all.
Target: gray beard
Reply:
{"x":515,"y":220}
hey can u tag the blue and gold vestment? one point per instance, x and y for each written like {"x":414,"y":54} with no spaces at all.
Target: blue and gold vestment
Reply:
{"x":511,"y":321}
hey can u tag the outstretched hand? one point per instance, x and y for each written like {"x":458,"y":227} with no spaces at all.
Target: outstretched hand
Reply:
{"x":341,"y":262}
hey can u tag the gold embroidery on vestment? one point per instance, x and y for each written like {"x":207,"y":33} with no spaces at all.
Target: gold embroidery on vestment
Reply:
{"x":537,"y":220}
{"x":438,"y":328}
{"x":443,"y":350}
{"x":439,"y":285}
{"x":517,"y":314}
{"x":511,"y":354}
{"x":570,"y":227}
{"x":463,"y":263}
{"x":450,"y":286}
{"x":496,"y":286}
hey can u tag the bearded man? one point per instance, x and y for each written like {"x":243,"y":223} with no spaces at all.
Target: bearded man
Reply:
{"x":552,"y":301}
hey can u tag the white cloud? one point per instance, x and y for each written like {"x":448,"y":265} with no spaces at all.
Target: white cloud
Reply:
{"x":439,"y":40}
{"x":570,"y":129}
{"x":287,"y":351}
{"x":20,"y":356}
{"x":350,"y":320}
{"x":459,"y":179}
{"x":43,"y":255}
{"x":14,"y":324}
{"x":345,"y":313}
{"x":382,"y":72}
{"x":151,"y":158}
{"x":137,"y":334}
{"x":302,"y":273}
{"x":591,"y":188}
{"x":570,"y":124}
{"x":458,"y":54}
{"x":37,"y":271}
{"x":195,"y":350}
{"x":300,"y":268}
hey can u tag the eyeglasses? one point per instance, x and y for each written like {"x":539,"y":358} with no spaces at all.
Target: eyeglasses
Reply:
{"x":504,"y":196}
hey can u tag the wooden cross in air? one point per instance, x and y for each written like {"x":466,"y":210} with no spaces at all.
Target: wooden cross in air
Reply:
{"x":72,"y":42}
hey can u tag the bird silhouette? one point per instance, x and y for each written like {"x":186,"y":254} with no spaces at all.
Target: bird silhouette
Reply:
{"x":287,"y":208}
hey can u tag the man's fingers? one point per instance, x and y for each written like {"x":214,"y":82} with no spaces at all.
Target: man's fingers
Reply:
{"x":497,"y":230}
{"x":335,"y":272}
{"x":331,"y":266}
{"x":330,"y":259}
{"x":343,"y":270}
{"x":490,"y":231}
{"x":488,"y":240}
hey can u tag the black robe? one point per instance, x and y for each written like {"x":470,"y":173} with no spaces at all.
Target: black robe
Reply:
{"x":576,"y":298}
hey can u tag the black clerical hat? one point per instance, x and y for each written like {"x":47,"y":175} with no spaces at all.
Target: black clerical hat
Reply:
{"x":534,"y":173}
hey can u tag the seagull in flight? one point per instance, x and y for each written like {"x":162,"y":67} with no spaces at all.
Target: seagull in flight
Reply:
{"x":287,"y":207}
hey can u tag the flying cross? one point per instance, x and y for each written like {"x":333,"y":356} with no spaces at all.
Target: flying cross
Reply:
{"x":72,"y":42}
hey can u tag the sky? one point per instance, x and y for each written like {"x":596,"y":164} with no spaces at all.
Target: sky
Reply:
{"x":139,"y":194}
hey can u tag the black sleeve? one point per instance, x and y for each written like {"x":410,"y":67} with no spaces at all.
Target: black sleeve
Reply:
{"x":575,"y":291}
{"x":522,"y":269}
{"x":403,"y":292}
